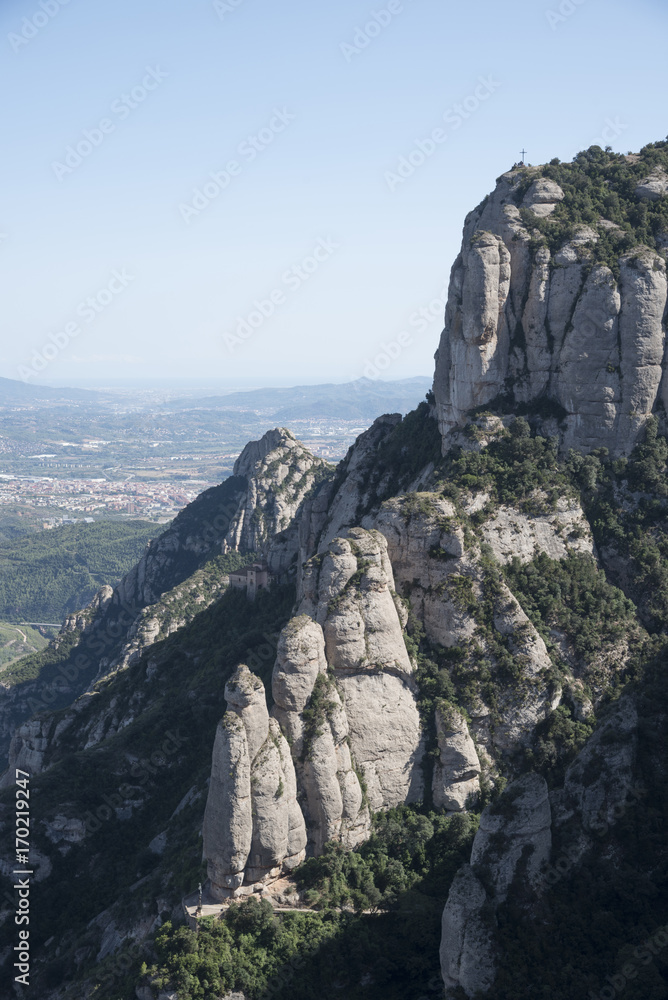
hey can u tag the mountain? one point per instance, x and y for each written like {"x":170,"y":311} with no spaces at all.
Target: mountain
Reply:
{"x":365,"y":399}
{"x":557,"y":301}
{"x":15,"y":393}
{"x":431,"y":753}
{"x":50,"y":574}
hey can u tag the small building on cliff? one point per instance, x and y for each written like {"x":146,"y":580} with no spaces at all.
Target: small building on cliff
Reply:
{"x":251,"y":579}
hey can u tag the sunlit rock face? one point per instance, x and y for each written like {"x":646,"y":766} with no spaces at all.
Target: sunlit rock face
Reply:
{"x":253,"y":826}
{"x":524,"y":327}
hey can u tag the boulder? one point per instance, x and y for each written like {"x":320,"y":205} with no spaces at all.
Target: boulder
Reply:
{"x":457,"y":770}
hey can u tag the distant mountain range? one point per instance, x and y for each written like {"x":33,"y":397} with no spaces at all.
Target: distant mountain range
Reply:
{"x":365,"y":399}
{"x":15,"y":393}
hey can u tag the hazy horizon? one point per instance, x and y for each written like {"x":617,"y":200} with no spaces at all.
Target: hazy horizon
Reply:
{"x":231,"y":190}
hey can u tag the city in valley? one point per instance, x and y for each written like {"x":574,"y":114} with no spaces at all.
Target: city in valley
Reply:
{"x":58,"y":501}
{"x":137,"y":453}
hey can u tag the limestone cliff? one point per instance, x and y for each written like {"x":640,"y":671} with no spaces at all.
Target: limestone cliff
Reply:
{"x":253,"y":827}
{"x":512,"y":843}
{"x":513,"y":848}
{"x":331,"y":794}
{"x":280,"y":473}
{"x":530,"y":322}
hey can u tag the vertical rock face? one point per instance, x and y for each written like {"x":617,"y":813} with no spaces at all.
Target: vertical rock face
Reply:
{"x":525,"y":326}
{"x":425,"y":544}
{"x":328,"y":520}
{"x":330,"y":790}
{"x":280,"y":472}
{"x":228,"y":818}
{"x":349,"y":592}
{"x":457,"y":770}
{"x":512,"y":844}
{"x":467,"y":942}
{"x":598,"y":782}
{"x":253,"y":826}
{"x":27,"y":749}
{"x":515,"y":835}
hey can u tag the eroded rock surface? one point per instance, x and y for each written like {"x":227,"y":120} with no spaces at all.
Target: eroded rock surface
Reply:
{"x":280,"y":472}
{"x":467,"y":936}
{"x":515,"y":837}
{"x":329,"y":787}
{"x":457,"y":770}
{"x":253,"y":826}
{"x":515,"y":326}
{"x":349,"y":591}
{"x":512,"y":845}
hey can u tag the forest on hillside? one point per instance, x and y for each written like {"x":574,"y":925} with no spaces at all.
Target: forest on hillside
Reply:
{"x":45,"y":576}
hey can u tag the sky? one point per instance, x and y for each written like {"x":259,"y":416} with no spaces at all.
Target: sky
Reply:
{"x":252,"y":192}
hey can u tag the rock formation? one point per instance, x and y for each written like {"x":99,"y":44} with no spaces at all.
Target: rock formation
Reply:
{"x":457,"y":770}
{"x":405,"y":645}
{"x":280,"y":473}
{"x":511,"y":846}
{"x":332,"y":798}
{"x":349,"y":591}
{"x":253,"y":827}
{"x":524,"y":327}
{"x":467,"y":935}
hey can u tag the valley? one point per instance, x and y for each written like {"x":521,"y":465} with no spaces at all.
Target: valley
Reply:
{"x":134,"y":453}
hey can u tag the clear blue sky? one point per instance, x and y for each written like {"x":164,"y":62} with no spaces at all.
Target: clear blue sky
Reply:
{"x":350,"y":106}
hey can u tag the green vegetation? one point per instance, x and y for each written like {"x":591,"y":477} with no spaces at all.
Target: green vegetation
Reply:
{"x":601,"y":184}
{"x":184,"y":699}
{"x":408,"y":449}
{"x":512,"y":468}
{"x":596,"y":915}
{"x":375,"y":929}
{"x":574,"y":596}
{"x":48,"y":575}
{"x":408,"y":850}
{"x":17,"y":642}
{"x":319,"y":708}
{"x":404,"y":870}
{"x":412,"y":445}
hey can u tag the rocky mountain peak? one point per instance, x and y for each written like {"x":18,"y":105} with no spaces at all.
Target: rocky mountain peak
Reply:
{"x":559,"y":309}
{"x":253,"y":455}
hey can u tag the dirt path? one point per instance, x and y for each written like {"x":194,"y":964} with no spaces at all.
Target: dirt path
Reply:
{"x":13,"y":628}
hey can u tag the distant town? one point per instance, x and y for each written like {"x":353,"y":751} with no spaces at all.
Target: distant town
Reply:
{"x":73,"y":454}
{"x":84,"y":499}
